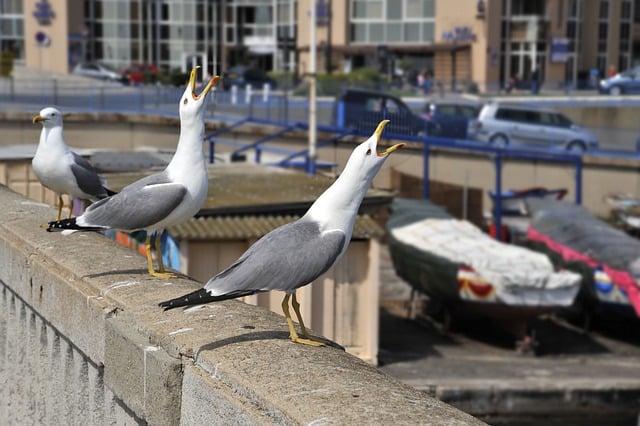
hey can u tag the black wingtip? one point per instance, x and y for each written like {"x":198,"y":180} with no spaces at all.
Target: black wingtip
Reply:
{"x":197,"y":297}
{"x":110,"y":192}
{"x":69,"y":224}
{"x":61,"y":225}
{"x":200,"y":297}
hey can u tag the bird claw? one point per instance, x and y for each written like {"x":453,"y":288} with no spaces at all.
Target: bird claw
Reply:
{"x":307,"y":341}
{"x":163,"y":275}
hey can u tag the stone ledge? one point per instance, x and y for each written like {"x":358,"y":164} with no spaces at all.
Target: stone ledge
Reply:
{"x":229,"y":354}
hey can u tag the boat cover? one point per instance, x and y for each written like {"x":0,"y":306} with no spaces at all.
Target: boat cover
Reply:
{"x":438,"y":243}
{"x":574,"y":233}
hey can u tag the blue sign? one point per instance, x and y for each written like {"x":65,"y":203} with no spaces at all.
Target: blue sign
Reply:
{"x":42,"y":39}
{"x":559,"y":51}
{"x":458,"y":35}
{"x":43,"y":12}
{"x":323,"y":13}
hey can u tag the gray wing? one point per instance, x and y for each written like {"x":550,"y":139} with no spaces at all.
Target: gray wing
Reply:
{"x":288,"y":257}
{"x":139,"y":205}
{"x":87,"y":177}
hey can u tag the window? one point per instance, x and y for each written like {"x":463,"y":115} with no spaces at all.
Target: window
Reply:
{"x":367,"y":9}
{"x":373,"y":104}
{"x":604,"y":9}
{"x":546,"y":118}
{"x":562,"y":121}
{"x":511,"y":114}
{"x":532,"y":117}
{"x":392,"y":21}
{"x":393,"y":107}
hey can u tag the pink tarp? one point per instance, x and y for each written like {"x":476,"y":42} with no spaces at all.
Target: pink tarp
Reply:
{"x":623,"y":279}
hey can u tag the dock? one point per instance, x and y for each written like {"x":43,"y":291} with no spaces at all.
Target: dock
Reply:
{"x":575,"y":377}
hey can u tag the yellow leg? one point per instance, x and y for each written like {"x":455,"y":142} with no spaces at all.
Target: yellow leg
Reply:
{"x":59,"y":207}
{"x":292,"y":330}
{"x":158,"y":246}
{"x":296,"y":308}
{"x":152,"y":271}
{"x":70,"y":206}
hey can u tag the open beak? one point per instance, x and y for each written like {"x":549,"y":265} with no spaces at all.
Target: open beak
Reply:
{"x":37,"y":119}
{"x":192,"y":83}
{"x":378,"y":134}
{"x":390,"y":149}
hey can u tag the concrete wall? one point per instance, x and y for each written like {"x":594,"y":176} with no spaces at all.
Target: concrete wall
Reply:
{"x":83,"y":341}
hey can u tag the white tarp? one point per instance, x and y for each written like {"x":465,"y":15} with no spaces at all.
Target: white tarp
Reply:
{"x":506,"y":267}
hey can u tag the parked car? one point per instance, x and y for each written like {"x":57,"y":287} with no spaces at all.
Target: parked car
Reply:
{"x":141,"y":73}
{"x":99,"y":71}
{"x":623,"y":83}
{"x":501,"y":124}
{"x":363,"y":110}
{"x":243,"y":76}
{"x":449,"y":119}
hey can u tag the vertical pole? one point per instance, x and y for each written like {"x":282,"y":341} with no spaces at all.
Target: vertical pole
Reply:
{"x":55,"y":92}
{"x":498,"y":208}
{"x":425,"y":171}
{"x":311,"y":164}
{"x":328,"y":51}
{"x":578,"y":174}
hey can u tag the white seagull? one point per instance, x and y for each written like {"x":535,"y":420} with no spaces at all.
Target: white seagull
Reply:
{"x":297,"y":253}
{"x":60,"y":169}
{"x":161,"y":199}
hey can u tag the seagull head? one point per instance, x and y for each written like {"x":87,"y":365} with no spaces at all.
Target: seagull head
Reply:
{"x":191,"y":102}
{"x":49,"y":117}
{"x":366,"y":158}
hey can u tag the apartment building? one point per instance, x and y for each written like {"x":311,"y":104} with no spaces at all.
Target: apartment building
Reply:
{"x":486,"y":42}
{"x":463,"y":42}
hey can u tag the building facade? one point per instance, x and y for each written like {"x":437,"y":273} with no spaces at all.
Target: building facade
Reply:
{"x":480,"y":42}
{"x":462,"y":44}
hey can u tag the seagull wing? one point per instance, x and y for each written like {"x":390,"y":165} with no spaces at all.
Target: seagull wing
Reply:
{"x":87,"y":177}
{"x":138,"y":206}
{"x":288,"y":257}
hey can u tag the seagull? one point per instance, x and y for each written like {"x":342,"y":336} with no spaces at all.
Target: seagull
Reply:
{"x":297,"y":253}
{"x":169,"y":197}
{"x":62,"y":170}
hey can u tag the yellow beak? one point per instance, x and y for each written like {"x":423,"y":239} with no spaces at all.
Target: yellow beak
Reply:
{"x":378,"y":134}
{"x":192,"y":83}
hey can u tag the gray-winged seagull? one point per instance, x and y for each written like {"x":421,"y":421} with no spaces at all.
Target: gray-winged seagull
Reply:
{"x":60,"y":169}
{"x":161,"y":199}
{"x":297,"y":253}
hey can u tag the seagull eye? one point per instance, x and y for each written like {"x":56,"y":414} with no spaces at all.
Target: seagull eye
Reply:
{"x":369,"y":151}
{"x":185,"y":101}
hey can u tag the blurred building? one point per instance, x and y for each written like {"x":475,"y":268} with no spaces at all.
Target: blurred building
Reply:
{"x":481,"y":42}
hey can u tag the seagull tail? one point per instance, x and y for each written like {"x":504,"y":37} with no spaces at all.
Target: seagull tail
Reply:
{"x":200,"y":297}
{"x":69,"y":225}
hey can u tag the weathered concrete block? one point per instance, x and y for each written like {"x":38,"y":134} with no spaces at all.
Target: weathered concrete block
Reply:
{"x":141,"y":374}
{"x":205,"y":400}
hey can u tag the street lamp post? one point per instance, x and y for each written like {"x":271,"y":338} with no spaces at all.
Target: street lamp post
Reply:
{"x":311,"y":162}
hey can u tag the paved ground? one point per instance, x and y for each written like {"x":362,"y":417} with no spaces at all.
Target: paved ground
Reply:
{"x":575,"y":377}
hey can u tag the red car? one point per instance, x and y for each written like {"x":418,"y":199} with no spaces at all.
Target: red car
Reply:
{"x":141,"y":73}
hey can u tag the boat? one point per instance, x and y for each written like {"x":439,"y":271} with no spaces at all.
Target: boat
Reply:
{"x":457,"y":264}
{"x":514,"y":201}
{"x":625,"y":211}
{"x":608,"y":258}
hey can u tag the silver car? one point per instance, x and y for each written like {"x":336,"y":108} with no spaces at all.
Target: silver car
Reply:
{"x":501,"y":125}
{"x":97,"y":70}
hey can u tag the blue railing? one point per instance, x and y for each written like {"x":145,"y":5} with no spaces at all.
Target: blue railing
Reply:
{"x":286,"y":113}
